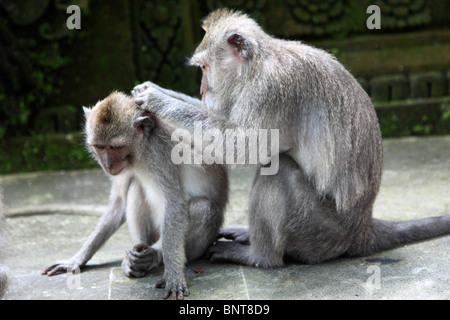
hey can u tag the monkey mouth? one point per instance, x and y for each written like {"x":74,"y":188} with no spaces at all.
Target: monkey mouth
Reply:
{"x":114,"y":171}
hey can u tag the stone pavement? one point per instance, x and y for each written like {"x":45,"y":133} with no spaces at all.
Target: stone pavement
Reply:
{"x":51,"y":214}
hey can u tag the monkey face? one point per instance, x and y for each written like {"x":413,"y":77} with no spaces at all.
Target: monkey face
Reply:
{"x":204,"y":85}
{"x":113,"y":159}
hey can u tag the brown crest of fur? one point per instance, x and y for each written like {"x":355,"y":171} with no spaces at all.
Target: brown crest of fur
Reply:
{"x":220,"y":14}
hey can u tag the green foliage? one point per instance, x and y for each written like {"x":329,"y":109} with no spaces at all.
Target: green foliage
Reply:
{"x":50,"y":68}
{"x":422,"y":120}
{"x":44,"y":152}
{"x":46,"y":61}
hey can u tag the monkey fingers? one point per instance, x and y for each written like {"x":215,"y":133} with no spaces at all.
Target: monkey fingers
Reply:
{"x":129,"y":272}
{"x":142,"y":99}
{"x":151,"y":99}
{"x":142,"y":87}
{"x":237,"y":234}
{"x":140,"y":260}
{"x":139,"y":89}
{"x":58,"y":268}
{"x":144,"y":258}
{"x":174,"y":291}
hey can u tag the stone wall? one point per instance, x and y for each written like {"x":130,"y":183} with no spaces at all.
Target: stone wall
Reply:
{"x":49,"y":72}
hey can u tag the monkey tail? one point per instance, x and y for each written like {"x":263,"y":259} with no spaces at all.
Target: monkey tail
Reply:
{"x":387,"y":235}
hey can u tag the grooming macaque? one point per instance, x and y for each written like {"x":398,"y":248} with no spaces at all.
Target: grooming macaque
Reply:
{"x":3,"y":269}
{"x":319,"y":204}
{"x":174,"y":212}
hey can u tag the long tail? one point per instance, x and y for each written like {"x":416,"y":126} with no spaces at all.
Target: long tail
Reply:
{"x":388,"y":235}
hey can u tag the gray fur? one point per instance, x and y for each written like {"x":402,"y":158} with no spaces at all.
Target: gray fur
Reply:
{"x":171,"y":222}
{"x":319,"y":205}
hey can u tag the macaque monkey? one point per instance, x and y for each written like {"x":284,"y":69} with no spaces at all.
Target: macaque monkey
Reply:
{"x":3,"y":269}
{"x":174,"y":212}
{"x":319,"y":205}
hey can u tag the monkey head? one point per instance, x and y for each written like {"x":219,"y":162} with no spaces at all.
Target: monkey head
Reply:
{"x":114,"y":128}
{"x":226,"y":53}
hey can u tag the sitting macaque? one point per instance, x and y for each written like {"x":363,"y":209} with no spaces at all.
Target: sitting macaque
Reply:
{"x":174,"y":212}
{"x":319,"y":204}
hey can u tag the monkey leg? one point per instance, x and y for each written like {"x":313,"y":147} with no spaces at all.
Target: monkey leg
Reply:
{"x":143,"y":257}
{"x":287,"y":218}
{"x":140,"y":217}
{"x":205,"y":220}
{"x":261,"y":252}
{"x":262,"y":244}
{"x":110,"y":221}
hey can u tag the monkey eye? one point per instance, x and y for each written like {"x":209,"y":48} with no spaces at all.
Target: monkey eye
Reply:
{"x":100,"y":147}
{"x":116,"y":147}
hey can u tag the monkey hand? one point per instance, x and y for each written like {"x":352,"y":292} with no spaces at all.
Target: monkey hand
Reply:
{"x":63,"y":267}
{"x":174,"y":289}
{"x":137,"y":90}
{"x":141,"y":260}
{"x":153,"y":100}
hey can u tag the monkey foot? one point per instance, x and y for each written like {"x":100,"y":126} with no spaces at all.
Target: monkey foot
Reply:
{"x":220,"y":250}
{"x":237,"y":234}
{"x":140,"y":260}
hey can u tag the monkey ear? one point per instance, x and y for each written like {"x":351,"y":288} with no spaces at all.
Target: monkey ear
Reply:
{"x":87,"y":112}
{"x":145,"y":124}
{"x":240,"y":45}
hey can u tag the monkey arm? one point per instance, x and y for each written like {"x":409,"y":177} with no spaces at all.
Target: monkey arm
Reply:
{"x":173,"y":244}
{"x":113,"y":217}
{"x":181,"y":112}
{"x":195,"y":118}
{"x":110,"y":221}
